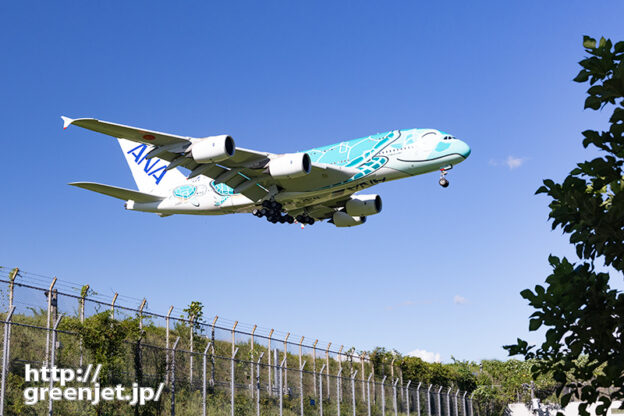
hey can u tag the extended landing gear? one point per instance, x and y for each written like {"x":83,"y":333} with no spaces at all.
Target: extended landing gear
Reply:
{"x":272,"y":210}
{"x":305,"y":219}
{"x":443,"y":181}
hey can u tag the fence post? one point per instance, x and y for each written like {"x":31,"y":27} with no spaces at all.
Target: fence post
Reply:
{"x":301,"y":367}
{"x":204,"y":382}
{"x":285,"y":358}
{"x":401,"y":382}
{"x":253,"y":353}
{"x":353,"y":390}
{"x":258,"y":384}
{"x":362,"y":358}
{"x":12,"y":276}
{"x":232,"y":381}
{"x":281,"y":386}
{"x":321,"y":390}
{"x":327,"y":373}
{"x":113,"y":305}
{"x":270,"y":352}
{"x":172,"y":352}
{"x":47,"y":352}
{"x":383,"y":396}
{"x":141,"y":313}
{"x":456,"y":408}
{"x":471,"y":408}
{"x":192,"y":330}
{"x":368,"y":398}
{"x":83,"y":295}
{"x":448,"y":402}
{"x":440,"y":401}
{"x":5,"y":356}
{"x":167,"y":345}
{"x":394,"y":396}
{"x":407,"y":395}
{"x":417,"y":399}
{"x":464,"y":403}
{"x":212,"y":351}
{"x":339,"y":384}
{"x":53,"y":354}
{"x":314,"y":367}
{"x":338,"y":378}
{"x":429,"y":401}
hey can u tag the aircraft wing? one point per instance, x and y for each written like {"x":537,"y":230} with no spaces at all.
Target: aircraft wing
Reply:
{"x":244,"y":171}
{"x":116,"y":192}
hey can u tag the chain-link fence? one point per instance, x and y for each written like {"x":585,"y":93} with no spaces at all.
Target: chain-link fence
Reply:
{"x":207,"y":368}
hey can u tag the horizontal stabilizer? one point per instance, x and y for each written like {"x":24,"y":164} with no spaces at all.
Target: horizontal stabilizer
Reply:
{"x":120,"y":193}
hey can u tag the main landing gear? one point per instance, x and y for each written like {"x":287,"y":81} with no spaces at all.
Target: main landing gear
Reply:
{"x":272,"y":210}
{"x":443,"y":181}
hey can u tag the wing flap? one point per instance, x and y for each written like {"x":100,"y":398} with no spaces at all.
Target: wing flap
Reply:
{"x":116,"y":192}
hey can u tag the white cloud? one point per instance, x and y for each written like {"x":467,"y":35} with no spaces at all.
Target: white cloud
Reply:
{"x":459,"y":300}
{"x":430,"y":357}
{"x":514,"y":162}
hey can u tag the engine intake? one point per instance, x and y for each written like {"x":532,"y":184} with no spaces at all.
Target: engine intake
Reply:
{"x":363,"y":205}
{"x":213,"y":149}
{"x":342,"y":219}
{"x":290,"y":165}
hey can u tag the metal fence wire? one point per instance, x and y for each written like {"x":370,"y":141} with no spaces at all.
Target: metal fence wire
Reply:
{"x":207,"y":368}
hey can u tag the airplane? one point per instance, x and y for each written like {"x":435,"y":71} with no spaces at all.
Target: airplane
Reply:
{"x":301,"y":187}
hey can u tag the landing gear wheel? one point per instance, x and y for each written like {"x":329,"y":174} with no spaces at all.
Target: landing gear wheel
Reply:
{"x":444,"y":182}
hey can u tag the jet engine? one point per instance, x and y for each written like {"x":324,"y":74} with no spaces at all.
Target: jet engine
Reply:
{"x":213,"y":149}
{"x":342,"y":219}
{"x":290,"y":165}
{"x":363,"y":205}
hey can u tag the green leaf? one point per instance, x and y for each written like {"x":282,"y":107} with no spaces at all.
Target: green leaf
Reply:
{"x":588,"y":42}
{"x":534,"y":324}
{"x":582,"y":76}
{"x":592,"y":102}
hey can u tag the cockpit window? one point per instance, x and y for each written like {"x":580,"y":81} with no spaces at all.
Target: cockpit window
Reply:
{"x":447,"y":138}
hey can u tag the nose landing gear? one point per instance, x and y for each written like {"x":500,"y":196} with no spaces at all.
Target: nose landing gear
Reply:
{"x":443,"y":181}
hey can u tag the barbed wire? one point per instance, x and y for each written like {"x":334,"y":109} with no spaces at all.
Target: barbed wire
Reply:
{"x":42,"y":282}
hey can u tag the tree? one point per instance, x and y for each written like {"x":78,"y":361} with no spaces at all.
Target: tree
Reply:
{"x":583,"y":315}
{"x":195,"y":314}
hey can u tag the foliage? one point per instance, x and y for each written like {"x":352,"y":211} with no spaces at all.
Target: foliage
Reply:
{"x":195,"y":313}
{"x":105,"y":337}
{"x":582,"y":314}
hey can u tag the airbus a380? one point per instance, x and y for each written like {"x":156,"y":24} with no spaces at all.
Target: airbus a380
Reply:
{"x":317,"y":184}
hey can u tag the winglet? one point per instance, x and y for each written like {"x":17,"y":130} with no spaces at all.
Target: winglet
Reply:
{"x":66,"y":122}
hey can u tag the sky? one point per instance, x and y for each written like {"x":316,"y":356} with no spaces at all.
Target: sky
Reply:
{"x":438,"y":271}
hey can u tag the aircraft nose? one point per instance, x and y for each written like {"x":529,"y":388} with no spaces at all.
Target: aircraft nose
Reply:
{"x":462,"y":148}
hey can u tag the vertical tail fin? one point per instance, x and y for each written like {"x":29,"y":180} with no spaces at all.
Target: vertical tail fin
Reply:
{"x":150,"y":175}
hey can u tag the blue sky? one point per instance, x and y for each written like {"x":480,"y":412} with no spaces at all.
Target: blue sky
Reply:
{"x":439,"y":270}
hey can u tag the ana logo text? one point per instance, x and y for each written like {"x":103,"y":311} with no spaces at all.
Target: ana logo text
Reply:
{"x":152,"y":167}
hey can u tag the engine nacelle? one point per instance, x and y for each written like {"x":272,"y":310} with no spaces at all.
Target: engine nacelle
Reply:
{"x":363,"y":205}
{"x":290,"y":165}
{"x":213,"y":149}
{"x":342,"y":219}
